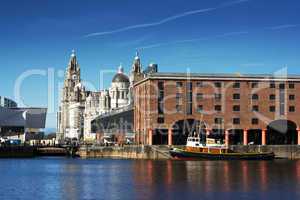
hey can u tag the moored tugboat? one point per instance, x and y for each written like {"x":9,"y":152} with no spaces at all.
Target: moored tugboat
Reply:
{"x":195,"y":150}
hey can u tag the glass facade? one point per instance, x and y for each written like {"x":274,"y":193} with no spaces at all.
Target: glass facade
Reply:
{"x":8,"y":103}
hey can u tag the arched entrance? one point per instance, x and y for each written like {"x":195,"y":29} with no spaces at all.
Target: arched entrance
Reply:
{"x":235,"y":136}
{"x":183,"y":128}
{"x":281,"y":132}
{"x":160,"y":137}
{"x":254,"y":136}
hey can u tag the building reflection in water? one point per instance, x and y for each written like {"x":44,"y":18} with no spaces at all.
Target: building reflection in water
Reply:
{"x":263,"y":168}
{"x":70,"y":183}
{"x":207,"y":177}
{"x":297,"y":169}
{"x":147,"y":179}
{"x":245,"y":176}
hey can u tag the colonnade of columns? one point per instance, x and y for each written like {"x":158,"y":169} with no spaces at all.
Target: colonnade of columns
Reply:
{"x":227,"y":140}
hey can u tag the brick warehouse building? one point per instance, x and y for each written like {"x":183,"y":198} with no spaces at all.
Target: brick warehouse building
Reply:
{"x":236,"y":109}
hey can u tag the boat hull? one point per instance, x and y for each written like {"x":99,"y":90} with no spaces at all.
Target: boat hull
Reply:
{"x":188,"y":155}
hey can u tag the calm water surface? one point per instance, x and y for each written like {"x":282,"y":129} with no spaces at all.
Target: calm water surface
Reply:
{"x":61,"y":178}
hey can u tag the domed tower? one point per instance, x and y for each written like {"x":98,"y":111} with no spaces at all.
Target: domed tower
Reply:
{"x":136,"y":71}
{"x":72,"y":77}
{"x":119,"y":89}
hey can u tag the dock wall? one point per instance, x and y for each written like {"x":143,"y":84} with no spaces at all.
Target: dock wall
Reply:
{"x":126,"y":152}
{"x":161,"y":152}
{"x":281,"y":151}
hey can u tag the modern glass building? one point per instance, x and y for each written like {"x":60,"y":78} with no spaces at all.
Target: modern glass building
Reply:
{"x":7,"y":103}
{"x":20,"y":123}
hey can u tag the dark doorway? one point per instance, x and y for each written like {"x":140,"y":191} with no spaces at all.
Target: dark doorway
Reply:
{"x":236,"y":137}
{"x":183,"y":128}
{"x":254,"y":136}
{"x":160,"y":137}
{"x":282,"y":132}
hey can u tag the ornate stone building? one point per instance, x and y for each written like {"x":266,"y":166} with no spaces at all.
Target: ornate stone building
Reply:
{"x":79,"y":107}
{"x":72,"y":104}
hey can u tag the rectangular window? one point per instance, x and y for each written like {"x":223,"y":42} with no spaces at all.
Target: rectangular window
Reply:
{"x":254,"y":84}
{"x":218,"y":84}
{"x":160,"y":85}
{"x":161,"y":95}
{"x":254,"y":121}
{"x":272,"y":108}
{"x":160,"y":101}
{"x":218,"y":96}
{"x":178,"y":95}
{"x":160,"y":120}
{"x":179,"y":101}
{"x":161,"y":108}
{"x":178,"y":84}
{"x":178,"y":108}
{"x":291,"y":85}
{"x":281,"y":86}
{"x":255,"y":108}
{"x":179,"y":98}
{"x":200,"y":108}
{"x":236,"y":85}
{"x":199,"y":96}
{"x":218,"y":108}
{"x":236,"y":96}
{"x":255,"y":97}
{"x":272,"y":97}
{"x":189,"y":103}
{"x":190,"y":86}
{"x":292,"y":109}
{"x":281,"y":101}
{"x":236,"y":108}
{"x":291,"y":97}
{"x":218,"y":120}
{"x":236,"y":120}
{"x":189,"y":109}
{"x":272,"y":85}
{"x":199,"y":84}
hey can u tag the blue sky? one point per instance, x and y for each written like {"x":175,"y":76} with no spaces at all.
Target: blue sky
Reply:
{"x":254,"y":36}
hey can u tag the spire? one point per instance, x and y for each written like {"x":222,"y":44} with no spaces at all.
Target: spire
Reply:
{"x":73,"y":64}
{"x":137,"y":55}
{"x":73,"y":53}
{"x":120,"y":69}
{"x":136,"y":67}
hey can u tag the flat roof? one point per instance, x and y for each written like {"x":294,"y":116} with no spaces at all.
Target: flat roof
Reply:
{"x":220,"y":76}
{"x":26,"y":117}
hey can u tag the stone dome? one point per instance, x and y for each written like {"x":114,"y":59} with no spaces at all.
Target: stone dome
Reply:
{"x":120,"y":78}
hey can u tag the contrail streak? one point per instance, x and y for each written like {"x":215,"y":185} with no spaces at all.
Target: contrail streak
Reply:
{"x":285,"y":26}
{"x":273,"y":28}
{"x":168,"y":19}
{"x":194,"y":40}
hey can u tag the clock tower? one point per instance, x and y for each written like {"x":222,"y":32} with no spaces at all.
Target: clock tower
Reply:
{"x":72,"y":100}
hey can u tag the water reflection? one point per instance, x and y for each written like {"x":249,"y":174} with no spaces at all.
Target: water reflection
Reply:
{"x":125,"y":179}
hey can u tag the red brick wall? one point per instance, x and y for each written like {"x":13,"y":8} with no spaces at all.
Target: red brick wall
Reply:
{"x":146,"y":113}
